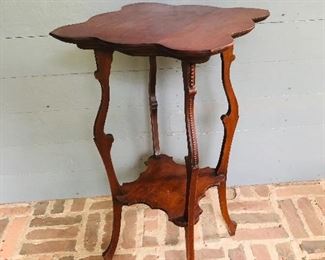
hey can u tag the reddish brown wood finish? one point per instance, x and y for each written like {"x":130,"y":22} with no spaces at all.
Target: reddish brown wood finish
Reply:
{"x":117,"y":211}
{"x":153,"y":105}
{"x":163,"y":185}
{"x":229,"y":121}
{"x":192,"y":159}
{"x":191,"y":34}
{"x":104,"y":143}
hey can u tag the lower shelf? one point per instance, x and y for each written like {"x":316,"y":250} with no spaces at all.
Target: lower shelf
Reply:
{"x":163,"y":186}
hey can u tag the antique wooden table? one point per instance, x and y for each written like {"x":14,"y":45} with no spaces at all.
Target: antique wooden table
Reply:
{"x":191,"y":34}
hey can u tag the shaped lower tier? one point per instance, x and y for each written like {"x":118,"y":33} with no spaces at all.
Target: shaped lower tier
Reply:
{"x":163,"y":186}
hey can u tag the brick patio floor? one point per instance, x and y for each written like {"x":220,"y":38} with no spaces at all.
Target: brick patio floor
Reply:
{"x":274,"y":222}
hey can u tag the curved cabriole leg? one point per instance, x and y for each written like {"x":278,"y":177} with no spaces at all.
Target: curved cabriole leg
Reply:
{"x":153,"y":105}
{"x":104,"y":143}
{"x":117,"y":211}
{"x":192,"y":160}
{"x":229,"y":121}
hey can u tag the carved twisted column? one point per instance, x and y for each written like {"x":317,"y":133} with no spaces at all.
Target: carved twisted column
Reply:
{"x":153,"y":105}
{"x":104,"y":143}
{"x":229,"y":121}
{"x":192,"y":160}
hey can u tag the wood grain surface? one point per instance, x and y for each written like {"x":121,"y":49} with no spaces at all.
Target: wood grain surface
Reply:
{"x":192,"y":34}
{"x":164,"y":180}
{"x":153,"y":29}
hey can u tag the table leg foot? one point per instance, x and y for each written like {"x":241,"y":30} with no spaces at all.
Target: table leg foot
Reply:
{"x":109,"y":252}
{"x":189,"y":238}
{"x":231,"y":225}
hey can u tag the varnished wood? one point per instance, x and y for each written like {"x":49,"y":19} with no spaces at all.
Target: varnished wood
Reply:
{"x":229,"y":121}
{"x":187,"y":32}
{"x":104,"y":141}
{"x":192,"y":159}
{"x":222,"y":193}
{"x":163,"y":185}
{"x":191,"y":34}
{"x":153,"y":105}
{"x":117,"y":211}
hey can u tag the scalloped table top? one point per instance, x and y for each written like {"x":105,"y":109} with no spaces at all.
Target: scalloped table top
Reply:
{"x":152,"y":29}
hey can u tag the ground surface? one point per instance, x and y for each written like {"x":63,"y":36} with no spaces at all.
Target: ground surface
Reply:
{"x":274,"y":222}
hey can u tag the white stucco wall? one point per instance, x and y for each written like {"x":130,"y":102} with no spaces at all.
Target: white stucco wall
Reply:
{"x":49,"y":99}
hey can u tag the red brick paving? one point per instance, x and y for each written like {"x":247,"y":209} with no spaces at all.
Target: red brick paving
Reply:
{"x":284,"y":221}
{"x":260,"y":252}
